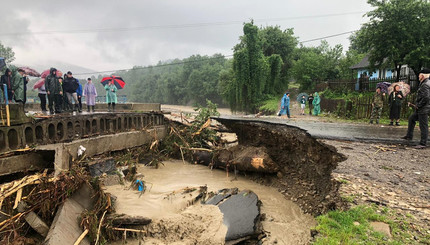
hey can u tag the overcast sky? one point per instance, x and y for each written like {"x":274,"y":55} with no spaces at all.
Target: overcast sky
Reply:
{"x":159,"y":30}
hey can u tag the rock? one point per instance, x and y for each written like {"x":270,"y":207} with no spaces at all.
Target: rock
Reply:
{"x":382,"y":228}
{"x":241,"y":213}
{"x":99,"y":167}
{"x":356,"y":223}
{"x":222,"y":194}
{"x":108,"y":180}
{"x":202,"y":157}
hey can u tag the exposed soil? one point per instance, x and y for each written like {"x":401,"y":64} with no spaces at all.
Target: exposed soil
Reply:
{"x":390,"y":175}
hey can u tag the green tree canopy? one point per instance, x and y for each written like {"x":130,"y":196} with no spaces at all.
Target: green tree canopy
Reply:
{"x":7,"y":53}
{"x":396,"y":34}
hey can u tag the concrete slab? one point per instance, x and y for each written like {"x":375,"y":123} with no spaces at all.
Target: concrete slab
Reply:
{"x":65,"y":227}
{"x":64,"y":152}
{"x":31,"y":161}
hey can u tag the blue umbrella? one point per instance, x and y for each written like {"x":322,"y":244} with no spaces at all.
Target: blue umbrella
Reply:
{"x":2,"y":63}
{"x":299,"y":97}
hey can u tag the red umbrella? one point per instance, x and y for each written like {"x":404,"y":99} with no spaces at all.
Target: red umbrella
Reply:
{"x":46,"y":73}
{"x":30,"y":71}
{"x":119,"y":83}
{"x":39,"y":83}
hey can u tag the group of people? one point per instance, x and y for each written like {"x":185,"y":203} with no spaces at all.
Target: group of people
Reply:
{"x":16,"y":86}
{"x":313,"y":102}
{"x":394,"y":102}
{"x":421,"y":108}
{"x":64,"y":93}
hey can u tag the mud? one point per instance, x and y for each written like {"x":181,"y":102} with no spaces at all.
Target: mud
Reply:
{"x":305,"y":164}
{"x":280,"y":214}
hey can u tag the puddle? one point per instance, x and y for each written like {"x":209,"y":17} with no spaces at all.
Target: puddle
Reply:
{"x":284,"y":223}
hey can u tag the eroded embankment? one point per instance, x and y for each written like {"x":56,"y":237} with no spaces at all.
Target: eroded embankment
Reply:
{"x":304,"y":164}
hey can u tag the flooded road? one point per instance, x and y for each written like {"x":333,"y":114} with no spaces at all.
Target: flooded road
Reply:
{"x":285,"y":223}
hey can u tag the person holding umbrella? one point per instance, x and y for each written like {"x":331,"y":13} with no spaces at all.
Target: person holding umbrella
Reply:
{"x":395,"y":103}
{"x":90,"y":93}
{"x":7,"y":79}
{"x":111,"y":98}
{"x":422,"y":110}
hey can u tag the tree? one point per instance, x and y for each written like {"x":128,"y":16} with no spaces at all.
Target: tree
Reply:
{"x":394,"y":34}
{"x":282,"y":43}
{"x":250,"y":69}
{"x":7,"y":53}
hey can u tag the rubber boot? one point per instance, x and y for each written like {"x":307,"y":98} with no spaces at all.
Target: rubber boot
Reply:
{"x":109,"y":107}
{"x":78,"y":108}
{"x":88,"y":108}
{"x":377,"y":121}
{"x":397,"y":124}
{"x":371,"y":122}
{"x":113,"y":107}
{"x":391,"y":123}
{"x":93,"y":108}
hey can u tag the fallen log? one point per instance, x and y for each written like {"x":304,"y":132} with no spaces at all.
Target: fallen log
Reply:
{"x":122,"y":219}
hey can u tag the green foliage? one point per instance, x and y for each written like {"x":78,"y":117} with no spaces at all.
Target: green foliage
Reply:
{"x":271,"y":105}
{"x":7,"y":53}
{"x":314,"y":64}
{"x":341,"y":227}
{"x":261,"y":64}
{"x":211,"y":110}
{"x":396,"y":34}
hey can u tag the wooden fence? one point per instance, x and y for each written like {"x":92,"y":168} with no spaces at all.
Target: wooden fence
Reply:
{"x":361,"y":107}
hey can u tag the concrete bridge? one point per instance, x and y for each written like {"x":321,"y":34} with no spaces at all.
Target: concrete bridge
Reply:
{"x":54,"y":141}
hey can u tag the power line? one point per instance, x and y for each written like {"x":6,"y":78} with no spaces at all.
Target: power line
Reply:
{"x":178,"y":26}
{"x":194,"y":61}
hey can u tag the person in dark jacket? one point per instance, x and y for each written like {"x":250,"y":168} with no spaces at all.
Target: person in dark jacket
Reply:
{"x":310,"y":100}
{"x":422,"y":110}
{"x":70,"y":85}
{"x":395,"y":103}
{"x":7,"y":79}
{"x":54,"y":91}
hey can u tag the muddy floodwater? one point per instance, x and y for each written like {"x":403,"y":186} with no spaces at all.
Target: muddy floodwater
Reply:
{"x":284,"y":221}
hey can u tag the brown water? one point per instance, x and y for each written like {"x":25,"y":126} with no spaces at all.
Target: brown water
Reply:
{"x":284,"y":223}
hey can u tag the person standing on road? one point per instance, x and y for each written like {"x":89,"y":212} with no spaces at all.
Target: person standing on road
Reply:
{"x":422,"y":110}
{"x":310,"y":100}
{"x":54,"y":91}
{"x":377,"y":104}
{"x":42,"y":97}
{"x":79,"y":93}
{"x":285,"y":105}
{"x":111,"y":95}
{"x":316,"y":103}
{"x":303,"y":104}
{"x":20,"y":86}
{"x":395,"y":103}
{"x":7,"y":79}
{"x":70,"y":85}
{"x":90,"y":93}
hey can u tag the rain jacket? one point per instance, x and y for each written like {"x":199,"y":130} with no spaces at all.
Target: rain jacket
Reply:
{"x":70,"y":84}
{"x":316,"y":103}
{"x":52,"y":84}
{"x":90,"y":93}
{"x":79,"y":90}
{"x":111,"y":93}
{"x":423,"y":97}
{"x":5,"y":79}
{"x":19,"y":83}
{"x":285,"y":104}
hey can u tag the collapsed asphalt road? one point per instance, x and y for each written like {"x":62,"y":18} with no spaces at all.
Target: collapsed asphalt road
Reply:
{"x":341,"y":131}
